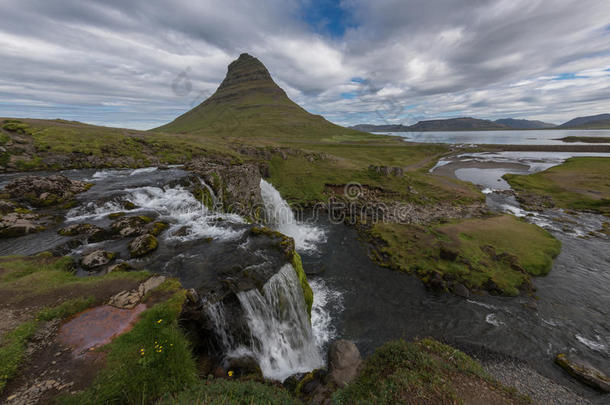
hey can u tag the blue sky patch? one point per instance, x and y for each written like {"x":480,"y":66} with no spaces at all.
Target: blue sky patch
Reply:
{"x":325,"y":17}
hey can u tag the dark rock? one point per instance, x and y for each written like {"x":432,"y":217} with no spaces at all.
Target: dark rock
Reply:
{"x":143,"y":245}
{"x":460,"y":290}
{"x":97,"y":259}
{"x":16,"y":224}
{"x":436,"y":282}
{"x":123,"y":266}
{"x":244,"y":366}
{"x":448,"y":252}
{"x":584,"y":372}
{"x":343,"y":362}
{"x":45,"y":191}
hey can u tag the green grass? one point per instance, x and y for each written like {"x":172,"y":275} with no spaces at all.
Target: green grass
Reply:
{"x":12,"y":350}
{"x":422,"y":371}
{"x":151,"y":360}
{"x":586,"y":139}
{"x":34,"y":280}
{"x":14,"y":343}
{"x":497,"y":253}
{"x":231,"y":392}
{"x":579,"y":183}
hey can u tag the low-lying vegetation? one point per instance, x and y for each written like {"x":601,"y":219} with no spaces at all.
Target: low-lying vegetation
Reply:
{"x":497,"y":254}
{"x":423,"y":371}
{"x":578,"y":184}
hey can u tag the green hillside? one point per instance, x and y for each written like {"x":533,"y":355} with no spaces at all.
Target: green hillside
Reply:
{"x":248,"y":103}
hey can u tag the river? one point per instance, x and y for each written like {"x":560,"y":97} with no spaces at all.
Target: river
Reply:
{"x":358,"y":300}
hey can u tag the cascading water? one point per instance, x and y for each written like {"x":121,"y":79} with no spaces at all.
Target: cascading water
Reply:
{"x":279,"y":216}
{"x":281,"y":339}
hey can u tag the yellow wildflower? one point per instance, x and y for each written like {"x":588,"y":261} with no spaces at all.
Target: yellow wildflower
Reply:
{"x":230,"y":373}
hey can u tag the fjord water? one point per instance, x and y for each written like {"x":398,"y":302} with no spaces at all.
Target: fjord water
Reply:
{"x":529,"y":137}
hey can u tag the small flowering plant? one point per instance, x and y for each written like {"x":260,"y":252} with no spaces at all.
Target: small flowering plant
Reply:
{"x":158,"y":348}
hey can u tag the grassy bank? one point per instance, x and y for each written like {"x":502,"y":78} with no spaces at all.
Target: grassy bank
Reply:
{"x":498,"y":254}
{"x":579,"y":184}
{"x":44,"y":288}
{"x":586,"y":139}
{"x":423,"y":371}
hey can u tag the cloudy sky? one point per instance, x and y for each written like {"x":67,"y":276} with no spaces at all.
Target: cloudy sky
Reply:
{"x":140,"y":63}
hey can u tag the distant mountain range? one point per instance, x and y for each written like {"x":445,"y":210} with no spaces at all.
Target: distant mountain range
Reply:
{"x":524,"y":124}
{"x":601,"y":121}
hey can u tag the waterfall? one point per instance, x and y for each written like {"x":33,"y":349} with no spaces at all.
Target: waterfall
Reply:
{"x":280,"y":217}
{"x":281,"y":339}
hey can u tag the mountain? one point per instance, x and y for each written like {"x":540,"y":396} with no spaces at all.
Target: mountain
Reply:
{"x":380,"y":128}
{"x":524,"y":124}
{"x":249,"y":103}
{"x":601,"y":121}
{"x":457,"y":124}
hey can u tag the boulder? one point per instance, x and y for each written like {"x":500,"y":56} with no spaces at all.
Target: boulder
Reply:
{"x":131,"y":226}
{"x":96,"y":259}
{"x":16,"y":224}
{"x":343,"y":362}
{"x":460,"y":290}
{"x":44,"y":191}
{"x":130,"y":299}
{"x":93,"y":232}
{"x":143,"y":245}
{"x":584,"y":372}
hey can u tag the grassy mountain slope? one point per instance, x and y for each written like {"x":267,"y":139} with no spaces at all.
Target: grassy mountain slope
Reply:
{"x":248,"y":103}
{"x":600,"y":121}
{"x":524,"y":124}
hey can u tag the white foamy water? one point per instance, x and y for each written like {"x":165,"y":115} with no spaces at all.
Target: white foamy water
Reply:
{"x":279,"y":215}
{"x":281,"y":337}
{"x":492,"y":319}
{"x":592,"y":344}
{"x":176,"y":205}
{"x":143,"y":170}
{"x":323,"y":300}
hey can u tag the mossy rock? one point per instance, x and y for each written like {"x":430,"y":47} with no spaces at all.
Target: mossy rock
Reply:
{"x":158,"y":227}
{"x":116,"y":215}
{"x":142,"y":245}
{"x":297,"y":264}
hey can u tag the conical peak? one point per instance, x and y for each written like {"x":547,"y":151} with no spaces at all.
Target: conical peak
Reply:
{"x":246,"y":68}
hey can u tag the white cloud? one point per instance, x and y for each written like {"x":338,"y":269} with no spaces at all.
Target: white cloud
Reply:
{"x":420,"y":59}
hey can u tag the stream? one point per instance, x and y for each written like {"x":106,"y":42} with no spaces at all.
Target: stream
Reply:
{"x":353,"y":297}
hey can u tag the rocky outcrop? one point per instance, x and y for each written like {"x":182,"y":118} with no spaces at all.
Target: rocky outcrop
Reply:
{"x":236,"y":187}
{"x":130,"y":299}
{"x":45,"y":191}
{"x":142,"y":245}
{"x":97,"y":259}
{"x":343,"y":362}
{"x":18,"y":224}
{"x":584,"y":372}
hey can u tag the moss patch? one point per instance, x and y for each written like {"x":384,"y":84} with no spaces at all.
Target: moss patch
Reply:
{"x":307,"y":291}
{"x":498,"y":254}
{"x":579,"y":184}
